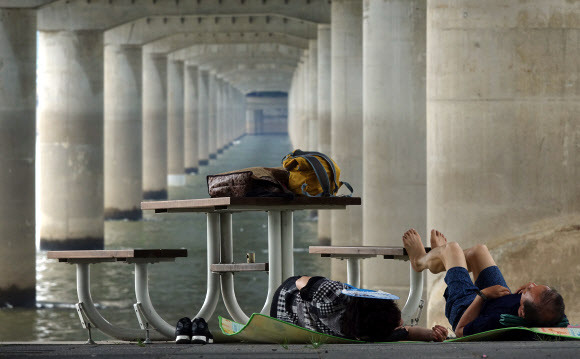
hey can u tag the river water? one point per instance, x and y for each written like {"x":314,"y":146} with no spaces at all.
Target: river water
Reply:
{"x":177,"y":289}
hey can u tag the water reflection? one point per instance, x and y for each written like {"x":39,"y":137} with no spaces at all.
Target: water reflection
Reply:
{"x":176,"y":289}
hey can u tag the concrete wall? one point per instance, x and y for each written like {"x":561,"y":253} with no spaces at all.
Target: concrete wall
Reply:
{"x":503,"y":99}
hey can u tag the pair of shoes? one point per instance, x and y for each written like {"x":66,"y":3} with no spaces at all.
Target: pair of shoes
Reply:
{"x":196,"y":331}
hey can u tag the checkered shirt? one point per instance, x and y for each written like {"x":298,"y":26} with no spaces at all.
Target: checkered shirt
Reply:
{"x":319,"y":307}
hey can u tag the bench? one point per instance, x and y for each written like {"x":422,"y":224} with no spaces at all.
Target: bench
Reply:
{"x":353,"y":256}
{"x":146,"y":314}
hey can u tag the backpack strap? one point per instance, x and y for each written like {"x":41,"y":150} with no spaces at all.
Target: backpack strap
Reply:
{"x":300,"y":153}
{"x":320,"y":174}
{"x":349,"y":188}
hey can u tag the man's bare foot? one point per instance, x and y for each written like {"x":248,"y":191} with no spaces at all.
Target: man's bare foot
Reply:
{"x":415,"y":249}
{"x":437,"y":239}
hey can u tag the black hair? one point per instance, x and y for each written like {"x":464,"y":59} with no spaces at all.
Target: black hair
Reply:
{"x":370,"y":319}
{"x":548,"y":312}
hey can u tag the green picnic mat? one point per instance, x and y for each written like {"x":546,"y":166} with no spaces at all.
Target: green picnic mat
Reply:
{"x":264,"y":329}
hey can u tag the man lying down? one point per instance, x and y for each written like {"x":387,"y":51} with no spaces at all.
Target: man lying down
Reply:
{"x":488,"y":303}
{"x":335,"y":308}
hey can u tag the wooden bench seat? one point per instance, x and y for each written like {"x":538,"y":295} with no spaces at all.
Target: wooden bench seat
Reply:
{"x":239,"y":267}
{"x":146,"y":315}
{"x":361,"y":251}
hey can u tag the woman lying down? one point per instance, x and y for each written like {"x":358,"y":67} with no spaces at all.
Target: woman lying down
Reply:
{"x":337,"y":309}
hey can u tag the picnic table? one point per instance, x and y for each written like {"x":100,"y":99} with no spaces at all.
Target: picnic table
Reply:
{"x":221,"y":268}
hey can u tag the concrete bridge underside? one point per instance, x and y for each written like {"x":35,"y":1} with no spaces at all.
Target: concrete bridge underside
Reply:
{"x":458,"y":115}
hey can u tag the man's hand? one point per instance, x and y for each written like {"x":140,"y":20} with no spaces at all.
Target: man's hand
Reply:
{"x":521,"y":289}
{"x":495,"y":291}
{"x":439,"y":333}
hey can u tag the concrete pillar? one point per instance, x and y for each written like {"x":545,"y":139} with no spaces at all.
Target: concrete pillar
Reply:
{"x":394,"y":163}
{"x":191,"y":158}
{"x":154,"y":126}
{"x":175,"y":149}
{"x":70,"y":126}
{"x":219,"y":114}
{"x":304,"y":104}
{"x":250,"y":122}
{"x":123,"y":132}
{"x":323,"y":90}
{"x":212,"y":115}
{"x":312,"y":94}
{"x":17,"y":139}
{"x":230,"y":115}
{"x":346,"y":132}
{"x":203,"y":116}
{"x":291,"y":107}
{"x":504,"y":137}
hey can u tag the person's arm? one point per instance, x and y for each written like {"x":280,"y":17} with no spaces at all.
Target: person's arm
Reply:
{"x":435,"y":334}
{"x":302,"y":281}
{"x":472,"y":312}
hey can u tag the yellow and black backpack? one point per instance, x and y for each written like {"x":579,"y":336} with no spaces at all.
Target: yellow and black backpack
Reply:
{"x":313,"y":174}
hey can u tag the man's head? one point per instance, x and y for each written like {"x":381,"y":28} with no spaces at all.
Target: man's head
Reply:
{"x":541,"y":306}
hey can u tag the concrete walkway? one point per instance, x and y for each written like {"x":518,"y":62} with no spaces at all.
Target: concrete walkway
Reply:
{"x":524,"y":350}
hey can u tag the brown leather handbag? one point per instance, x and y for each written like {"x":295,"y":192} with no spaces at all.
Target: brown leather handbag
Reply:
{"x":250,"y":182}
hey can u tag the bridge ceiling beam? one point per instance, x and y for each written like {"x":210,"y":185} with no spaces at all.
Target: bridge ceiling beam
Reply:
{"x":74,"y":15}
{"x":251,"y":80}
{"x":179,"y":41}
{"x":228,"y":69}
{"x":152,"y":28}
{"x":24,"y":4}
{"x":255,"y":51}
{"x":216,"y":51}
{"x":238,"y":64}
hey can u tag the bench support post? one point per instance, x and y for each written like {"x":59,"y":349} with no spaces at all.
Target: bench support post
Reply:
{"x":93,"y":316}
{"x":84,"y":322}
{"x":414,"y":299}
{"x":145,"y":306}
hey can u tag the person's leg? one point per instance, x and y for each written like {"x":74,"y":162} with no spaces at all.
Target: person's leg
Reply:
{"x":478,"y":260}
{"x":477,"y":257}
{"x":440,"y":258}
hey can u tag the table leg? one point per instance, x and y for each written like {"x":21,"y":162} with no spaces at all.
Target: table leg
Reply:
{"x":227,"y":278}
{"x":213,"y":257}
{"x":287,"y":244}
{"x":274,"y":257}
{"x":84,"y":294}
{"x":414,"y":298}
{"x":353,"y":272}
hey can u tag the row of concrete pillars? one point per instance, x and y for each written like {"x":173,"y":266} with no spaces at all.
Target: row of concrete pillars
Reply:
{"x":162,"y":119}
{"x":115,"y":125}
{"x":460,"y":116}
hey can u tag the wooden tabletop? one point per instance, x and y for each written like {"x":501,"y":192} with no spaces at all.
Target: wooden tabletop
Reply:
{"x":238,"y":204}
{"x":116,"y":254}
